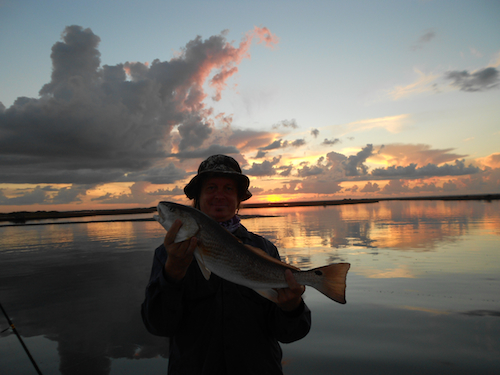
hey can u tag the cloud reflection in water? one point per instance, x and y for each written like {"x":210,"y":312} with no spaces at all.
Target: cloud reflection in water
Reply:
{"x":422,"y":291}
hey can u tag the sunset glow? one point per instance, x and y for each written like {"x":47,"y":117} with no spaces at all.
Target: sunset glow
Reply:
{"x":342,"y":108}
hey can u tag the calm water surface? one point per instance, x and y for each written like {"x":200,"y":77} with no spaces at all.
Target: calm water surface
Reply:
{"x":423,"y":290}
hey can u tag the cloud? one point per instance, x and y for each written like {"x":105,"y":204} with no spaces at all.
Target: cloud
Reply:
{"x":491,"y":161}
{"x":424,"y":83}
{"x":298,"y":143}
{"x":370,"y":188}
{"x":425,"y":38}
{"x":495,"y":62}
{"x":69,"y":194}
{"x":354,"y":165}
{"x":286,"y":124}
{"x":249,"y":140}
{"x":396,"y":187}
{"x":205,"y":152}
{"x":265,"y":36}
{"x":330,"y":142}
{"x":475,"y":52}
{"x":158,"y":175}
{"x":138,"y":195}
{"x":315,"y":133}
{"x":45,"y":195}
{"x":315,"y":186}
{"x":353,"y":189}
{"x":307,"y":171}
{"x":425,"y":187}
{"x":96,"y":124}
{"x":412,"y":171}
{"x":168,"y":192}
{"x":401,"y":154}
{"x":36,"y":196}
{"x":260,"y":154}
{"x":274,"y":145}
{"x":282,"y":144}
{"x":266,"y":168}
{"x":392,"y":124}
{"x":480,"y":80}
{"x":286,"y":170}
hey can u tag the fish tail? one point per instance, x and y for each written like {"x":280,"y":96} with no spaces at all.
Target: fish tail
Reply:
{"x":332,"y":281}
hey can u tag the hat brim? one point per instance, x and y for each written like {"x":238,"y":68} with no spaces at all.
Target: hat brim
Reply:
{"x":193,"y":187}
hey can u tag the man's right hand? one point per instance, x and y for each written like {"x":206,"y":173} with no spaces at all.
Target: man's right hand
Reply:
{"x":180,"y":254}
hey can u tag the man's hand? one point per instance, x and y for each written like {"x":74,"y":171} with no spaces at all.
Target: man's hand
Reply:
{"x":180,"y":254}
{"x":290,"y":298}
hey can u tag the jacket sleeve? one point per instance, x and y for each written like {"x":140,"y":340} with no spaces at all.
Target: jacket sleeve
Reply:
{"x":291,"y":326}
{"x":162,"y":308}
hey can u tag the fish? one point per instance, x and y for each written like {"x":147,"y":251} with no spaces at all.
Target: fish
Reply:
{"x":221,"y":253}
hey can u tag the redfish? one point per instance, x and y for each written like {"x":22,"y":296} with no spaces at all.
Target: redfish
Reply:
{"x":220,"y":252}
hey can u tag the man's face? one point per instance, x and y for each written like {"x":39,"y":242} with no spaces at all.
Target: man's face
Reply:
{"x":219,"y":198}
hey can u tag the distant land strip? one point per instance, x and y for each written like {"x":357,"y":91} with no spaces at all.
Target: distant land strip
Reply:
{"x":24,"y":216}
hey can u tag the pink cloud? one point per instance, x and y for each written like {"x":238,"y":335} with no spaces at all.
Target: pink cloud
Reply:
{"x":265,"y":36}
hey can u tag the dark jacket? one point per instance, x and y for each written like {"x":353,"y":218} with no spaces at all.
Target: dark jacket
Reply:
{"x":216,"y":326}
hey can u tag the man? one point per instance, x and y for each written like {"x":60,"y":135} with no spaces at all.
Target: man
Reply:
{"x":216,"y":326}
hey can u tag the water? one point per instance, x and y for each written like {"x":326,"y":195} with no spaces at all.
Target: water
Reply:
{"x":423,"y":290}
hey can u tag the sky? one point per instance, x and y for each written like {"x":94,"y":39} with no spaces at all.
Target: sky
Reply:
{"x":114,"y":104}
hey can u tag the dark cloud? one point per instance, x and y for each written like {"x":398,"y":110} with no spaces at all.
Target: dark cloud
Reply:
{"x":305,"y":186}
{"x":96,"y":123}
{"x":353,"y":189}
{"x":286,"y":124}
{"x":370,"y":188}
{"x":194,"y":131}
{"x":274,"y":145}
{"x":260,"y":154}
{"x":41,"y":195}
{"x":481,"y":80}
{"x":266,"y":168}
{"x":396,"y":187}
{"x":282,"y":144}
{"x":429,"y":170}
{"x":166,"y":192}
{"x":69,"y":195}
{"x":424,"y":38}
{"x":307,"y":171}
{"x":36,"y":196}
{"x":491,"y":313}
{"x":354,"y":165}
{"x":286,"y":170}
{"x":206,"y":152}
{"x":159,"y":175}
{"x":330,"y":142}
{"x":425,"y":187}
{"x":315,"y":133}
{"x":298,"y":143}
{"x":449,"y":187}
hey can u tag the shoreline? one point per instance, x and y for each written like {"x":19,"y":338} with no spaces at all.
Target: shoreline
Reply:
{"x":24,"y":216}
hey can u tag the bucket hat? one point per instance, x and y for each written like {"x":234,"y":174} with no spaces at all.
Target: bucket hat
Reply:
{"x":219,"y":166}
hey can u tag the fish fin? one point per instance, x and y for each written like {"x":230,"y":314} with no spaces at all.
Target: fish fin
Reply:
{"x":265,"y":255}
{"x":270,"y":294}
{"x":332,"y":281}
{"x":198,"y":254}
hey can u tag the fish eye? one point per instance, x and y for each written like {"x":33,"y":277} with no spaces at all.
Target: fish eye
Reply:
{"x":171,"y":209}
